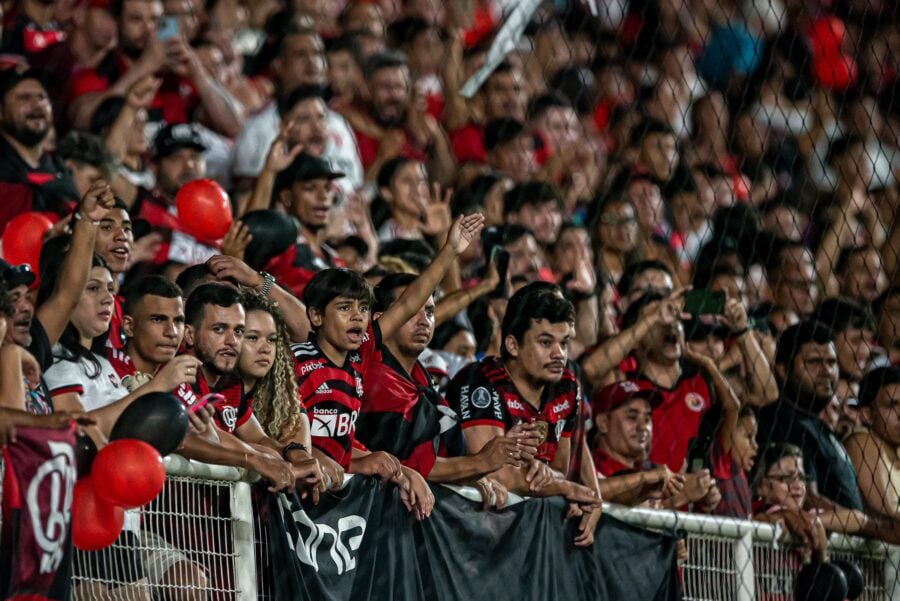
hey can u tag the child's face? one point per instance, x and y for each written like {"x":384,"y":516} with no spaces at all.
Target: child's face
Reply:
{"x":343,"y":323}
{"x":785,"y":484}
{"x":744,"y":447}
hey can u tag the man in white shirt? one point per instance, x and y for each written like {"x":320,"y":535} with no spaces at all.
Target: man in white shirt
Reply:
{"x":300,"y":62}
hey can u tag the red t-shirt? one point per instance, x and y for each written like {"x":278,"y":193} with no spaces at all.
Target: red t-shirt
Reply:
{"x":468,"y":143}
{"x":677,"y":419}
{"x":368,"y":149}
{"x":231,"y":413}
{"x":175,"y":101}
{"x":608,"y":466}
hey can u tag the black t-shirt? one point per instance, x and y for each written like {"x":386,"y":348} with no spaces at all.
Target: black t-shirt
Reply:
{"x":824,"y":457}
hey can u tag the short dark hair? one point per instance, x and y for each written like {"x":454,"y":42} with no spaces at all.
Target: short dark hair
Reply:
{"x":220,"y":295}
{"x":294,"y":28}
{"x":514,"y":232}
{"x":390,"y":59}
{"x":874,"y":381}
{"x":389,"y":169}
{"x":879,"y":303}
{"x":298,"y":95}
{"x":386,"y":290}
{"x":793,"y":338}
{"x":841,"y":314}
{"x":846,"y":254}
{"x":771,"y":455}
{"x":192,"y":277}
{"x":330,"y":284}
{"x":151,"y":285}
{"x":86,"y":149}
{"x":705,"y":276}
{"x":634,"y":270}
{"x":540,"y":105}
{"x":530,"y":193}
{"x":650,"y":127}
{"x":533,"y":304}
{"x":105,"y":114}
{"x":502,"y":131}
{"x":842,"y":146}
{"x":6,"y":305}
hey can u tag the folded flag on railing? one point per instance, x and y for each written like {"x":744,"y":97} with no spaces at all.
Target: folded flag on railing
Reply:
{"x":362,"y":544}
{"x":37,"y":510}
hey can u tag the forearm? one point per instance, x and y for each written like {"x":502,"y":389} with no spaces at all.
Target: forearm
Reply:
{"x":609,"y":354}
{"x":628,"y":489}
{"x":294,"y":312}
{"x":586,"y":317}
{"x":451,"y":304}
{"x":760,"y":371}
{"x":224,"y":111}
{"x":229,"y":452}
{"x":117,"y":137}
{"x":443,"y":163}
{"x":12,"y":384}
{"x":457,"y":469}
{"x":417,"y":293}
{"x":262,"y":192}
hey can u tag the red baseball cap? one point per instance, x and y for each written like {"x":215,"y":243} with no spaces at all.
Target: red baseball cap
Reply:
{"x":610,"y":398}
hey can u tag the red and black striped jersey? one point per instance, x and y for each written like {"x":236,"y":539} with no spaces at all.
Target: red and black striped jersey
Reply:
{"x":231,"y":413}
{"x":484,"y":395}
{"x":332,"y":394}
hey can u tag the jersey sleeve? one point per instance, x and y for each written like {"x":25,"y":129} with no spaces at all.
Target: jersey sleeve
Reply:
{"x":370,"y":349}
{"x":476,"y":400}
{"x":64,"y":377}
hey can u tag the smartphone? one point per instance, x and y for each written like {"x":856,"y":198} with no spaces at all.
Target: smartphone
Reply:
{"x":704,"y":302}
{"x":500,"y":257}
{"x":205,"y":400}
{"x":168,"y":28}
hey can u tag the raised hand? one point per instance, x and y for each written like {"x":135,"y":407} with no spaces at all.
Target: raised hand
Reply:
{"x":142,"y":92}
{"x":231,"y":268}
{"x":465,"y":231}
{"x":280,"y":156}
{"x":97,"y":201}
{"x":236,"y":240}
{"x":436,"y":214}
{"x":584,"y":278}
{"x":180,"y":370}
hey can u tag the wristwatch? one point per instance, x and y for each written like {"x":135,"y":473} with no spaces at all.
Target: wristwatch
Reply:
{"x":268,"y":282}
{"x":293,"y":446}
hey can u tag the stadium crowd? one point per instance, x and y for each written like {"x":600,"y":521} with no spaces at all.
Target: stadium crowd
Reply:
{"x":652,"y":259}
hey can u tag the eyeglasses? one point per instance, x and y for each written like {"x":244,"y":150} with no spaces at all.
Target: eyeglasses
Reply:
{"x":614,"y":220}
{"x":790,"y":478}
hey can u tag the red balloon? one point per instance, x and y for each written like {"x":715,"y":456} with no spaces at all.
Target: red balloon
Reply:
{"x":128,"y":472}
{"x":827,"y":35}
{"x":204,"y":209}
{"x":836,"y":72}
{"x":96,"y":523}
{"x":23,"y":238}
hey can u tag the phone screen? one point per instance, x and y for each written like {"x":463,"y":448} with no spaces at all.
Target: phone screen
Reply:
{"x":168,"y":28}
{"x":704,"y":302}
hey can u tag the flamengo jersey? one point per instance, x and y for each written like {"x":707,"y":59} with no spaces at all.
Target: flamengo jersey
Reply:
{"x":231,"y":413}
{"x":484,"y":395}
{"x":677,"y":419}
{"x":332,"y":394}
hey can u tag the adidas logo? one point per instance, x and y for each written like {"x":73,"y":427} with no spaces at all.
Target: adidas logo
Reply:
{"x":323,"y":389}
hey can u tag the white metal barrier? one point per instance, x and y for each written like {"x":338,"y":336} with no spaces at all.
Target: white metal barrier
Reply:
{"x":203,"y":529}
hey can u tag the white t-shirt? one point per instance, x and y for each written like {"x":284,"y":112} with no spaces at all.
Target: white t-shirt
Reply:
{"x":104,"y":389}
{"x":260,"y":130}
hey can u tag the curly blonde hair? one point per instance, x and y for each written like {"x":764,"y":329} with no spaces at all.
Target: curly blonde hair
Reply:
{"x":276,"y":402}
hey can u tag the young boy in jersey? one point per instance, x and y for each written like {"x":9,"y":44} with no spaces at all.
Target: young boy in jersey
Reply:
{"x":332,"y":365}
{"x":403,"y":414}
{"x":529,"y":383}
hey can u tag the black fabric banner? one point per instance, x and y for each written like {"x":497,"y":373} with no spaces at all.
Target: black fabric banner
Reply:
{"x":362,"y":544}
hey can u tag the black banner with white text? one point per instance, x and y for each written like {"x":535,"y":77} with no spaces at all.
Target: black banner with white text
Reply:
{"x":362,"y":544}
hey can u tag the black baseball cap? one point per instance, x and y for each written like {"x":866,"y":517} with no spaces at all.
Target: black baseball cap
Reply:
{"x":11,"y":77}
{"x":874,"y":381}
{"x":305,"y":168}
{"x":172,"y":138}
{"x":16,"y":275}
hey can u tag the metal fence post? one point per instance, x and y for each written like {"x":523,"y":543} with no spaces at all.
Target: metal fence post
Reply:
{"x":892,"y":574}
{"x":743,"y":567}
{"x":242,"y":530}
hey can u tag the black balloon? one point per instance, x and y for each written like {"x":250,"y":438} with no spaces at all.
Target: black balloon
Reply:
{"x":854,"y":576}
{"x":273,"y":233}
{"x":157,"y":418}
{"x":85,"y":451}
{"x":820,"y":582}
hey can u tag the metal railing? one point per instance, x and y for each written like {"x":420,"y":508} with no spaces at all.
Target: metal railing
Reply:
{"x":204,"y":522}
